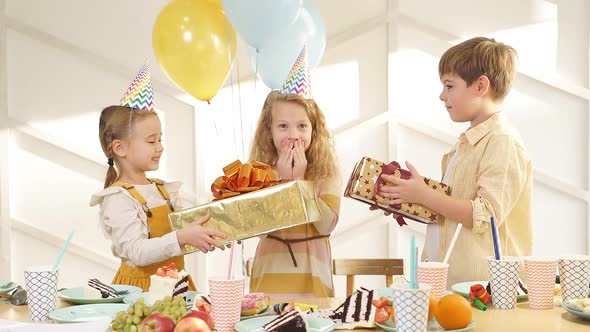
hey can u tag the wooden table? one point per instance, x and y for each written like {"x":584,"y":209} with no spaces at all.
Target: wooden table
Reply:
{"x":520,"y":319}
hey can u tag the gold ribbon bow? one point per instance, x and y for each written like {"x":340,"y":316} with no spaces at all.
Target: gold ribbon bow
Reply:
{"x":243,"y":178}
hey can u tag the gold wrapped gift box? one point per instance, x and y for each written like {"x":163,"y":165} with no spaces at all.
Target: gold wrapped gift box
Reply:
{"x":361,"y":186}
{"x":259,"y":212}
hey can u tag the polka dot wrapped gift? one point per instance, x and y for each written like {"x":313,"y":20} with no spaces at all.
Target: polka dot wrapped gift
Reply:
{"x":365,"y":179}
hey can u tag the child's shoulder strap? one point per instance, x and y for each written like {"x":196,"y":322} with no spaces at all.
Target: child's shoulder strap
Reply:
{"x":162,"y":189}
{"x":132,"y":191}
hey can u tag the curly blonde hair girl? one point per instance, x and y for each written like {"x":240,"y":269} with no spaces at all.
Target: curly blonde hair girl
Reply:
{"x":116,"y":122}
{"x":321,"y":157}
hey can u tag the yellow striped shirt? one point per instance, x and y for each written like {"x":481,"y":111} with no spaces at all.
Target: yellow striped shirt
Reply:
{"x":492,"y":171}
{"x":273,"y":270}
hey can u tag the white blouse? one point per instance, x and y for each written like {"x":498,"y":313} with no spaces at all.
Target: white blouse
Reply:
{"x":124,"y":222}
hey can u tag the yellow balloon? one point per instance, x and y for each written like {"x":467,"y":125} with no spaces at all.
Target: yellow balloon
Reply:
{"x":196,"y":45}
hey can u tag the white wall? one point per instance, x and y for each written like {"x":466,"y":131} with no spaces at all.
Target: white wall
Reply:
{"x":377,"y":84}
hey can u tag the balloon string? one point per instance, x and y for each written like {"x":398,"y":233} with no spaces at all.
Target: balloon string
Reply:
{"x":256,"y":72}
{"x":231,"y":82}
{"x":241,"y":112}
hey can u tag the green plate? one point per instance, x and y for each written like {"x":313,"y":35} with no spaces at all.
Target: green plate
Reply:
{"x":131,"y":299}
{"x":76,"y":295}
{"x":87,"y":312}
{"x":463,"y":289}
{"x":432,"y":327}
{"x":262,"y":313}
{"x":7,"y":286}
{"x":315,"y":324}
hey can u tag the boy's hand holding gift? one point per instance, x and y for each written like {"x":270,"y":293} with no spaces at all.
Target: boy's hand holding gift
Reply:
{"x":399,"y":190}
{"x":394,"y":190}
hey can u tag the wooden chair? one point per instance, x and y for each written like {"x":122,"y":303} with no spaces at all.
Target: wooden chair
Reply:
{"x":352,"y":267}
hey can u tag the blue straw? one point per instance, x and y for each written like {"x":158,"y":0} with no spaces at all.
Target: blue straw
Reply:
{"x":63,"y":249}
{"x":495,"y":236}
{"x":413,"y":261}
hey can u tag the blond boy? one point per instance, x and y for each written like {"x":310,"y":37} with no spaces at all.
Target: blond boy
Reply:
{"x":488,"y":169}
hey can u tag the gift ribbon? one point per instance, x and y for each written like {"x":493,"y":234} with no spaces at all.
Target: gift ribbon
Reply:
{"x":389,"y":169}
{"x":243,"y":178}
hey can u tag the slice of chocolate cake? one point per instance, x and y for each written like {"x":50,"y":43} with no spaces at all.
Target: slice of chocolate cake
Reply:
{"x":105,"y":290}
{"x":292,"y":321}
{"x":181,"y":287}
{"x":356,"y":311}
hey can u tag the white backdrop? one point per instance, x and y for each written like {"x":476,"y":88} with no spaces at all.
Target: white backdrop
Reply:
{"x":377,"y":84}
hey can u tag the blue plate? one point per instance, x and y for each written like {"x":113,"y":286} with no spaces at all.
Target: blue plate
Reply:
{"x":574,"y":310}
{"x":87,"y":312}
{"x":131,"y":299}
{"x":432,"y":327}
{"x":315,"y":324}
{"x":76,"y":295}
{"x":7,"y":286}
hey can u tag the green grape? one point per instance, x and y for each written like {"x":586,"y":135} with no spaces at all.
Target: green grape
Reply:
{"x":116,"y":324}
{"x":168,"y":299}
{"x":130,"y":310}
{"x":126,"y":329}
{"x":137,"y":320}
{"x":140,"y":300}
{"x":129,"y":319}
{"x":132,"y":328}
{"x":147,"y":311}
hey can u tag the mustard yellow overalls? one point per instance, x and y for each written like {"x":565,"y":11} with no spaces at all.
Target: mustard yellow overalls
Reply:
{"x":157,"y":219}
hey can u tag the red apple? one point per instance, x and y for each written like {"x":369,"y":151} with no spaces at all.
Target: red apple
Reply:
{"x":192,"y":324}
{"x":202,"y":315}
{"x":157,"y":322}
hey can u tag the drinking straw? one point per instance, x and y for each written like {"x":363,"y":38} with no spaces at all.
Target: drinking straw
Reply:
{"x":231,"y":261}
{"x":412,"y":261}
{"x":496,"y":243}
{"x":416,"y":260}
{"x":63,"y":249}
{"x":452,"y":245}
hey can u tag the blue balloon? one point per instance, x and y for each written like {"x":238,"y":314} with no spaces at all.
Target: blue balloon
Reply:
{"x":258,"y":20}
{"x":275,"y":60}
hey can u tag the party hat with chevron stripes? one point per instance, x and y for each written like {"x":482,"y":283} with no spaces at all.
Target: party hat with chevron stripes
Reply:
{"x":298,"y":81}
{"x":139,"y":95}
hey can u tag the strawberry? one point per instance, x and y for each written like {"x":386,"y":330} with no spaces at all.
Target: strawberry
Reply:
{"x":172,"y":273}
{"x":160,"y":272}
{"x":381,"y":315}
{"x":380,"y":303}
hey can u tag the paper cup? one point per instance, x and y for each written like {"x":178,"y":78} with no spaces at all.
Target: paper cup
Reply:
{"x":574,"y":276}
{"x":504,"y":281}
{"x":435,"y":275}
{"x":41,"y":285}
{"x":540,"y":276}
{"x":226,"y":302}
{"x":411,"y":307}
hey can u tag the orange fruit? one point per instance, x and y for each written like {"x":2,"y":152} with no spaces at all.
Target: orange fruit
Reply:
{"x":453,"y":312}
{"x":432,"y":304}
